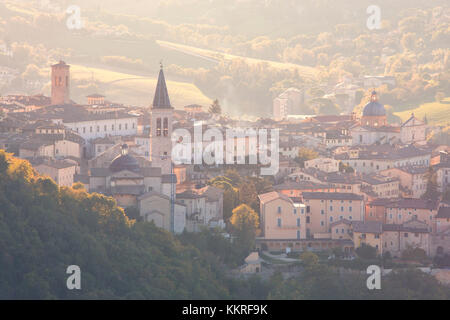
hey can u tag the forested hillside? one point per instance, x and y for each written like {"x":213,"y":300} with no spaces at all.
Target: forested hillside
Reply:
{"x":44,"y":229}
{"x":226,"y":49}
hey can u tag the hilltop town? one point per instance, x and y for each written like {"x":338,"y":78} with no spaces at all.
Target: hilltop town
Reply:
{"x":342,"y":182}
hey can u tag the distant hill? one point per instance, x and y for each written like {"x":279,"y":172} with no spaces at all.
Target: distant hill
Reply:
{"x":134,"y":89}
{"x":210,"y":55}
{"x":436,"y":112}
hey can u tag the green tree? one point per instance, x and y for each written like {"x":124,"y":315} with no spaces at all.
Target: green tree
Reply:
{"x":245,"y":222}
{"x":366,"y":251}
{"x":305,"y":154}
{"x":215,"y":107}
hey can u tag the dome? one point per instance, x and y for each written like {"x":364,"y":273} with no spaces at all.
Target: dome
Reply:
{"x":374,"y":108}
{"x":124,"y":162}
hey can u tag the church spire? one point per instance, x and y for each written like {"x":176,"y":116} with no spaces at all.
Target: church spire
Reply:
{"x":161,"y":99}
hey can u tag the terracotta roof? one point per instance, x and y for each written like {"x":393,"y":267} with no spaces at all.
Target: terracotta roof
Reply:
{"x":367,"y":226}
{"x":443,"y":213}
{"x":331,"y":196}
{"x":273,"y":195}
{"x":414,"y":204}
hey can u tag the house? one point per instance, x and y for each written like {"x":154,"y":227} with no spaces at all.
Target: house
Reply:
{"x":442,"y":175}
{"x":369,"y":233}
{"x":156,"y":207}
{"x":397,"y":238}
{"x":323,"y":164}
{"x":252,"y":264}
{"x":281,"y":217}
{"x":413,"y":179}
{"x":376,"y":158}
{"x":295,"y":189}
{"x":61,"y":171}
{"x":442,"y":219}
{"x":324,"y":208}
{"x":383,"y":187}
{"x":402,"y":210}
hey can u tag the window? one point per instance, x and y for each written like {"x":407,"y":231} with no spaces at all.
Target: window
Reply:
{"x":158,"y":127}
{"x":331,"y":219}
{"x":298,"y":222}
{"x":279,"y":222}
{"x":298,"y":234}
{"x":322,"y":212}
{"x":342,"y":209}
{"x":406,"y":235}
{"x":331,"y":208}
{"x":279,"y":210}
{"x":350,"y":209}
{"x":166,"y":127}
{"x":322,"y":223}
{"x":307,"y":219}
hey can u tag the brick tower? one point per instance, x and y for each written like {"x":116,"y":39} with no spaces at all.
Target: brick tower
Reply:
{"x":60,"y":83}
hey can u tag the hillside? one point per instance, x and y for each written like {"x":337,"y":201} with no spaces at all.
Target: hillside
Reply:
{"x":44,"y":229}
{"x":131,"y":89}
{"x":437,"y":113}
{"x":309,"y":73}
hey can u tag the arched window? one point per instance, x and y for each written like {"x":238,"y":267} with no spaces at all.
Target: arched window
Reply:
{"x":166,"y":127}
{"x":158,"y":127}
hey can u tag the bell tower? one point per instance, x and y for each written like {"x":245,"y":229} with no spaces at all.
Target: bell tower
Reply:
{"x":161,"y":127}
{"x":60,"y":83}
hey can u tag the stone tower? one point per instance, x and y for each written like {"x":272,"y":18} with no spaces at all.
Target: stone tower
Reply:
{"x":60,"y":83}
{"x":161,"y":127}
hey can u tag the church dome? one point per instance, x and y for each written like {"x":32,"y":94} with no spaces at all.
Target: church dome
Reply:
{"x":374,"y":108}
{"x":124,"y":162}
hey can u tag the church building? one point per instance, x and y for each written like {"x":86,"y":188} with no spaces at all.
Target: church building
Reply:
{"x":374,"y":128}
{"x":135,"y":181}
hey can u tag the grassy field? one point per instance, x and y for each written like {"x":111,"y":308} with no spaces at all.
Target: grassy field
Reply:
{"x":210,"y":55}
{"x":437,"y":112}
{"x":136,"y":90}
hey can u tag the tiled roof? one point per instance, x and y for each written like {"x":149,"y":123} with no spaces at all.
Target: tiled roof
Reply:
{"x":443,"y":213}
{"x":367,"y":226}
{"x":269,"y":196}
{"x":291,"y":185}
{"x":414,"y":204}
{"x":331,"y":196}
